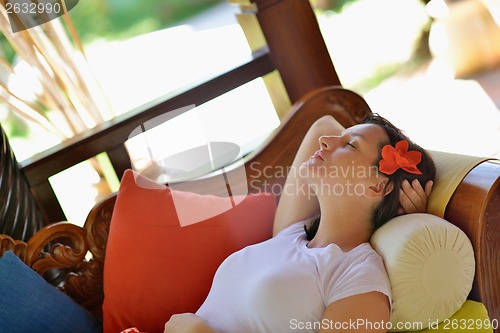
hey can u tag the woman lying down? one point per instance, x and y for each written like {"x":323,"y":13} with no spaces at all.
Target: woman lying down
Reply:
{"x":318,"y":271}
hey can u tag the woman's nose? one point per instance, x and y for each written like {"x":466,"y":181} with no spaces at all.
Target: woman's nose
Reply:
{"x":327,"y":142}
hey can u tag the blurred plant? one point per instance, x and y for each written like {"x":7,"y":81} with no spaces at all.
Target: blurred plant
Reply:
{"x":121,"y":19}
{"x":48,"y":80}
{"x":333,"y":5}
{"x":55,"y":87}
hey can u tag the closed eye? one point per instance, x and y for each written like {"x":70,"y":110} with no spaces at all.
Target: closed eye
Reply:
{"x":352,"y":144}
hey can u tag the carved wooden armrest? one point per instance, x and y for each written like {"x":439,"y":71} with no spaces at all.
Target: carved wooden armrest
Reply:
{"x":475,"y":208}
{"x":78,"y":252}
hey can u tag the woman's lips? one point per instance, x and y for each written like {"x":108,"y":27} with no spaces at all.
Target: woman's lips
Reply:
{"x":318,"y":155}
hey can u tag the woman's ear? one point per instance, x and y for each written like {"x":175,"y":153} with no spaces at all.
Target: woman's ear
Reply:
{"x":380,"y":189}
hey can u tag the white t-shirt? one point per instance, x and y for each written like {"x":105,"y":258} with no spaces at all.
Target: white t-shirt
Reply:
{"x":281,"y":285}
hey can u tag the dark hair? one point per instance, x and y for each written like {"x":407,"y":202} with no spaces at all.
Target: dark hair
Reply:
{"x":388,"y":207}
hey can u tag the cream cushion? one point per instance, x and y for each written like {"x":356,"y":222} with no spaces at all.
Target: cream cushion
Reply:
{"x":451,"y":169}
{"x":430,"y":263}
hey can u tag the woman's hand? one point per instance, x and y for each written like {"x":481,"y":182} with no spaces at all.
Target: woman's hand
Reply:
{"x":413,"y":198}
{"x":187,"y":323}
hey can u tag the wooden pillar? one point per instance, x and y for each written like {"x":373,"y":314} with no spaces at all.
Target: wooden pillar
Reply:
{"x":257,"y":43}
{"x":296,"y":45}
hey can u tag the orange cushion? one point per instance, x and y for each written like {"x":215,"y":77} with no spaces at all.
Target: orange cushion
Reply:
{"x":155,"y":267}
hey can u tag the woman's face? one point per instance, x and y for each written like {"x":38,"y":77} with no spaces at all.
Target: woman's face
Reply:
{"x":346,"y":164}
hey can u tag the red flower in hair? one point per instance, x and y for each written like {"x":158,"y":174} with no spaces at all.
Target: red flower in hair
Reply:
{"x":394,"y":158}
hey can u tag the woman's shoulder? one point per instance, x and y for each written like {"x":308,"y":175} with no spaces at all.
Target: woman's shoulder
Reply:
{"x":364,"y":258}
{"x":364,"y":251}
{"x":293,"y":229}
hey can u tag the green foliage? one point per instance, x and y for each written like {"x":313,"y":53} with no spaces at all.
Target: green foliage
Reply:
{"x":14,"y":126}
{"x":6,"y":49}
{"x":331,"y":5}
{"x":116,"y":19}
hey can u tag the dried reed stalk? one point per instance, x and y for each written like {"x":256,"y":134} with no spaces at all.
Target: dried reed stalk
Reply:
{"x":71,"y":100}
{"x":70,"y":91}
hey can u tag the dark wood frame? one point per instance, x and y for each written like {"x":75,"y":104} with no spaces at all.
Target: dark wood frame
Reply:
{"x":474,"y":207}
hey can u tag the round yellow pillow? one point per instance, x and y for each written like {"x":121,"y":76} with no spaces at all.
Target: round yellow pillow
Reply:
{"x":430,"y":263}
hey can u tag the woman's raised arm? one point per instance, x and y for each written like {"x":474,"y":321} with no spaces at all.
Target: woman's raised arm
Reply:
{"x":297,"y":202}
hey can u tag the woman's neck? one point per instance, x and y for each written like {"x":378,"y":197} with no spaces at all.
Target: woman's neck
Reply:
{"x":343,"y":226}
